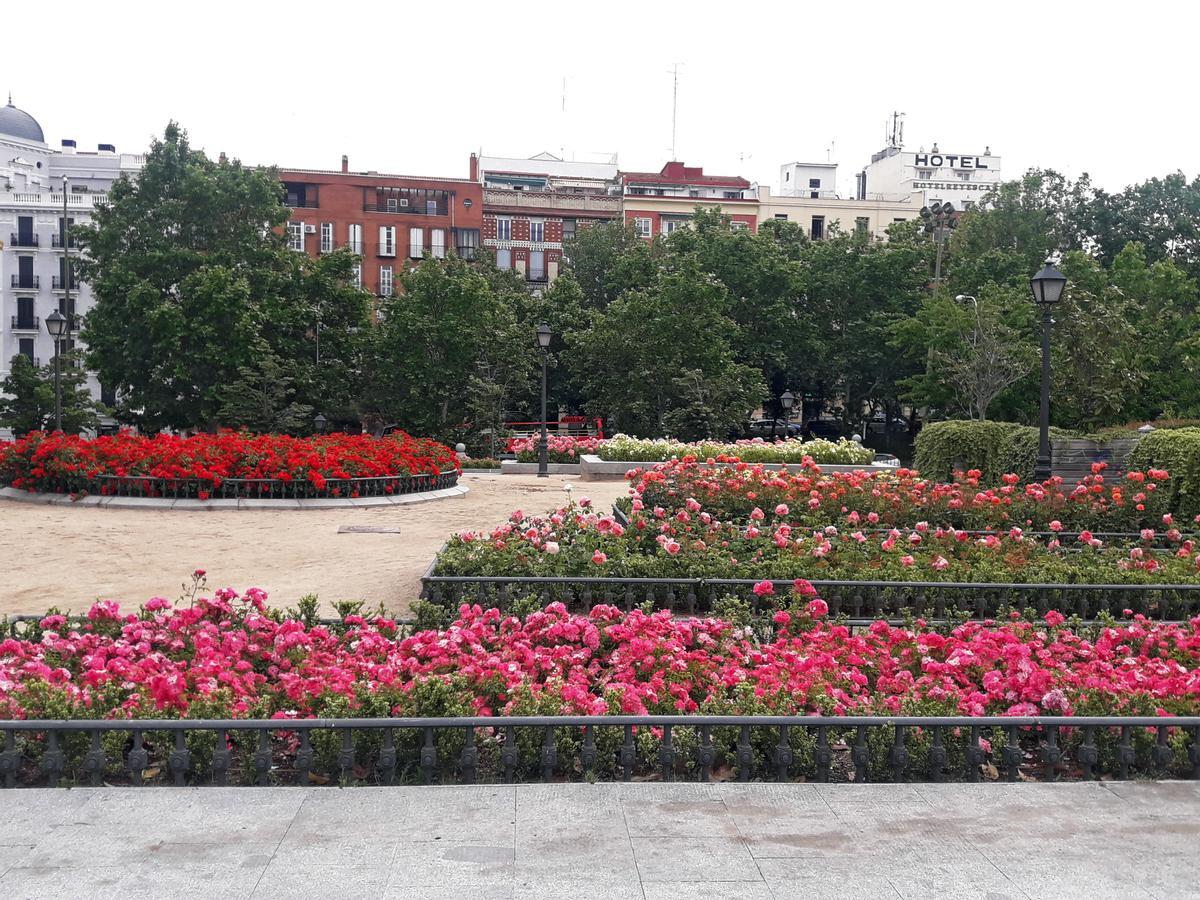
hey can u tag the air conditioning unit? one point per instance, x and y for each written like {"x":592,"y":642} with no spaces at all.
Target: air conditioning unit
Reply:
{"x":310,"y":229}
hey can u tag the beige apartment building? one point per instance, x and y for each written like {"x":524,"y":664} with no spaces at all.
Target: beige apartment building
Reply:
{"x":818,"y":215}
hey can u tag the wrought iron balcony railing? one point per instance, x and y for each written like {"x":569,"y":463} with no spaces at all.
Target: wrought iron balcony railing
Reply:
{"x":23,"y":240}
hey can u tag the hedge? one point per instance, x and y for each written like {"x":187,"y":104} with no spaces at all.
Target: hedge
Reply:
{"x":994,"y":448}
{"x":1178,"y":451}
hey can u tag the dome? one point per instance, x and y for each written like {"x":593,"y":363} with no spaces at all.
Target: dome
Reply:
{"x":19,"y":124}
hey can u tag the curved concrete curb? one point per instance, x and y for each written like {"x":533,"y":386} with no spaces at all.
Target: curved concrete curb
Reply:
{"x":19,"y":496}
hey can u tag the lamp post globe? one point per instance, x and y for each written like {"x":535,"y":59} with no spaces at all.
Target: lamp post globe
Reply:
{"x":319,"y":422}
{"x":787,"y":399}
{"x":1047,"y":287}
{"x":543,"y":339}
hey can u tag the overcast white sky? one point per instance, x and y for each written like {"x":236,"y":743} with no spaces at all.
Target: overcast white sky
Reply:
{"x":1096,"y":86}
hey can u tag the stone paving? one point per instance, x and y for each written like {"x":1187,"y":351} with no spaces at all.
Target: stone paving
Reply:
{"x":646,"y":841}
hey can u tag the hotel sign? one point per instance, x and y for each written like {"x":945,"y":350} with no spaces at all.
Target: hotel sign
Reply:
{"x":950,"y":161}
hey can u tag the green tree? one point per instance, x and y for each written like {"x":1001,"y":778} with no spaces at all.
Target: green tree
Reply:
{"x":661,"y":359}
{"x":189,"y":276}
{"x":263,"y":398}
{"x":27,"y":397}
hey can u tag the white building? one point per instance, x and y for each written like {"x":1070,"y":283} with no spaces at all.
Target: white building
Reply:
{"x":934,"y":175}
{"x":812,"y":180}
{"x":34,"y":279}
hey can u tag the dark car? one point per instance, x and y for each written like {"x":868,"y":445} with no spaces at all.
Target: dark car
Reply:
{"x":828,"y":429}
{"x":762,"y":428}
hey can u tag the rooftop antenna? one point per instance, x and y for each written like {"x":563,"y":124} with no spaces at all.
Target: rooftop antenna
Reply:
{"x":895,"y":134}
{"x":674,"y":104}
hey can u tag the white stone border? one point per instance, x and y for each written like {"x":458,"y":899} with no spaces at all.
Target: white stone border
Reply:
{"x":512,"y":467}
{"x":18,"y":496}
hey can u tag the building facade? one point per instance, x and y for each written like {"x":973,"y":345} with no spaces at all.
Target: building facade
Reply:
{"x":532,"y":207}
{"x":35,"y":182}
{"x":391,"y":221}
{"x":820,"y":216}
{"x":811,"y":180}
{"x":657,"y":203}
{"x":933,"y":176}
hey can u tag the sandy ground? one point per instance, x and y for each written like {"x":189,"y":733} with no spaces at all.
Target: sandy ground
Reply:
{"x":69,"y":557}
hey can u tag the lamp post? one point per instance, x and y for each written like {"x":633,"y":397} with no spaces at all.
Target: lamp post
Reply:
{"x":56,"y":325}
{"x":319,"y":422}
{"x":66,"y":267}
{"x":543,"y":339}
{"x":1047,"y":286}
{"x":786,"y":400}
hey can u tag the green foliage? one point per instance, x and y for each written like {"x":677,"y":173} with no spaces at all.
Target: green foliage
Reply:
{"x":27,"y":397}
{"x":1178,"y":451}
{"x":262,"y":399}
{"x":994,"y":448}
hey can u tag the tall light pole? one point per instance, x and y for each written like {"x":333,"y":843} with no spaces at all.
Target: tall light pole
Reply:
{"x":786,"y":401}
{"x":56,"y":326}
{"x":1047,"y":286}
{"x":543,"y":339}
{"x":66,"y":267}
{"x":938,"y":218}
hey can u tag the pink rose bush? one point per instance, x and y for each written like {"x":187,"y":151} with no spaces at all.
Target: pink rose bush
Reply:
{"x":229,"y":655}
{"x":560,"y":448}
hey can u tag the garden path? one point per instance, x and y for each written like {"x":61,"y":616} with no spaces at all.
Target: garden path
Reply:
{"x":644,"y":841}
{"x":71,"y":556}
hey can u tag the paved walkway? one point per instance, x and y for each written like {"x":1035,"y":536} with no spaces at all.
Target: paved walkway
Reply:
{"x":644,"y":841}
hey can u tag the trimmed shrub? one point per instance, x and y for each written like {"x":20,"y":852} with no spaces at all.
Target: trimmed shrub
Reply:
{"x":994,"y":448}
{"x":1178,"y":451}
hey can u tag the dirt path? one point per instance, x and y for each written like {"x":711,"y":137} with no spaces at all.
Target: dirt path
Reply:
{"x":69,"y":557}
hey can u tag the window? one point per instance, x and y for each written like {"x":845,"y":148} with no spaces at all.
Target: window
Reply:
{"x":568,"y":230}
{"x":782,"y":216}
{"x":924,"y":173}
{"x":537,"y":265}
{"x":354,"y":238}
{"x":787,"y":176}
{"x":899,"y":220}
{"x":467,"y":242}
{"x":862,"y":225}
{"x":504,"y":229}
{"x":537,"y":231}
{"x":733,"y":195}
{"x":25,"y":348}
{"x":295,"y":236}
{"x":813,"y":195}
{"x":693,"y":193}
{"x":25,"y":318}
{"x":504,"y":259}
{"x":299,"y":195}
{"x":326,"y":237}
{"x":431,"y":207}
{"x":814,"y":183}
{"x":643,"y":227}
{"x":393,"y":204}
{"x":416,"y":242}
{"x":438,"y":242}
{"x":387,"y":240}
{"x":670,"y":226}
{"x":356,"y":275}
{"x":818,"y":228}
{"x":385,"y":281}
{"x":738,"y":226}
{"x":963,"y":176}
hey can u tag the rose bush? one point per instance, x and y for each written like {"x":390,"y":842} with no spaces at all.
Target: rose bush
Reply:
{"x":873,"y":500}
{"x":624,"y":448}
{"x":561,"y":448}
{"x":67,"y":463}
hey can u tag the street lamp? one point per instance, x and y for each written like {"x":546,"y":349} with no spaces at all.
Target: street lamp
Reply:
{"x":57,"y":325}
{"x":543,"y":339}
{"x":319,"y":422}
{"x":786,"y":400}
{"x":938,"y":218}
{"x":1047,"y":286}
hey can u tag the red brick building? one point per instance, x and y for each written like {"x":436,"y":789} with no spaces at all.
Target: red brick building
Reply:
{"x":392,"y":221}
{"x":659,"y":202}
{"x":532,"y":206}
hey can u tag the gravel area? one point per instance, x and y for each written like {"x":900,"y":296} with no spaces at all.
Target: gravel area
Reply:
{"x":71,"y":556}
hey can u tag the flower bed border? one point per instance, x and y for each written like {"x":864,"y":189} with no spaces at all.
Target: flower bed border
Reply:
{"x":413,"y":494}
{"x":861,"y":602}
{"x":260,"y":764}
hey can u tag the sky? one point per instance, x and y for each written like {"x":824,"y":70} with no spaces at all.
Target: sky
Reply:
{"x":1098,"y":86}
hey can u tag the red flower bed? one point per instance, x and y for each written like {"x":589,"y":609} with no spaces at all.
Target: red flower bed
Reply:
{"x":225,"y":656}
{"x":67,"y":464}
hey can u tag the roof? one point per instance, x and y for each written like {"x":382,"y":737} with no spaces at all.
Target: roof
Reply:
{"x":547,"y":164}
{"x":678,"y":173}
{"x":20,"y":124}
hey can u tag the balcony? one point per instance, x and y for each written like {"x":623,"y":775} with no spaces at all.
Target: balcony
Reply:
{"x":405,"y":210}
{"x":56,"y":242}
{"x":58,"y":283}
{"x":52,"y":202}
{"x":26,"y":282}
{"x":23,"y":240}
{"x":596,"y":204}
{"x":26,"y":323}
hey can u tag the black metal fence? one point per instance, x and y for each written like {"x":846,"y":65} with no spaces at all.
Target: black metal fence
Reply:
{"x":567,"y":748}
{"x":859,"y":601}
{"x":250,"y":488}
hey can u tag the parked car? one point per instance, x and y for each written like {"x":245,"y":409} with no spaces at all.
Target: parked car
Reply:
{"x":762,"y":428}
{"x":829,"y":429}
{"x":878,"y":424}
